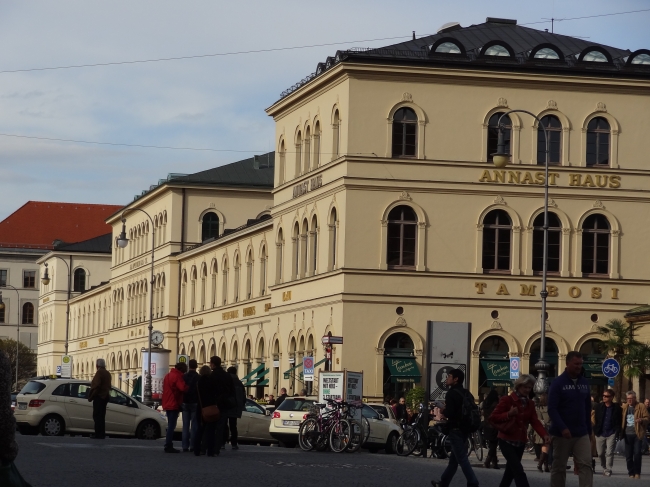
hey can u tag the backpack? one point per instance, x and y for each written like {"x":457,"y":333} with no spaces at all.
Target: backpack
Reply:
{"x":470,"y":414}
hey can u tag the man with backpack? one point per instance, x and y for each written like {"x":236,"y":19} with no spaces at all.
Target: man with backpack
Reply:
{"x":463,"y":418}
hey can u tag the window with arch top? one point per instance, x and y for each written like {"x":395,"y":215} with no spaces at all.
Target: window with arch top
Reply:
{"x":598,"y":142}
{"x":554,"y":130}
{"x":497,"y":239}
{"x":28,"y":314}
{"x":493,"y":134}
{"x":554,"y":243}
{"x":209,"y":226}
{"x":595,"y":245}
{"x":405,"y":129}
{"x":402,"y":237}
{"x":79,"y":284}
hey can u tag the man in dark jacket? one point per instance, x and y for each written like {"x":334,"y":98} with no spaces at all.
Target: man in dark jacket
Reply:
{"x":607,"y":427}
{"x":281,"y":397}
{"x":190,"y":398}
{"x":233,"y":414}
{"x":457,"y":436}
{"x":569,"y":407}
{"x":225,"y":396}
{"x":98,"y":395}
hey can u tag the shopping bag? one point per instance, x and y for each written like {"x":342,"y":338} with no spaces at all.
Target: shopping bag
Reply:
{"x":620,"y":447}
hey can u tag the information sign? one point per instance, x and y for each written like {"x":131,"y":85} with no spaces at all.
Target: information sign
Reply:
{"x":183,"y":359}
{"x":58,"y":370}
{"x":354,"y":386}
{"x":611,"y":368}
{"x":515,"y":363}
{"x":66,"y":367}
{"x":308,"y":369}
{"x":331,"y":386}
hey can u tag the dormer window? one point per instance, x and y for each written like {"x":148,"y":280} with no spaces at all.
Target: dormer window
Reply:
{"x":641,"y":59}
{"x":595,"y":57}
{"x":497,"y":50}
{"x":448,"y":48}
{"x":546,"y":53}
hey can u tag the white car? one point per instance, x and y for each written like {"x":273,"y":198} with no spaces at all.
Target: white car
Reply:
{"x":385,"y":411}
{"x":383,"y":432}
{"x":54,"y":407}
{"x":286,"y":419}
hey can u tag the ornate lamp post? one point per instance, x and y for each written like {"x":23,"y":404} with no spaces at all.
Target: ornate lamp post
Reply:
{"x":122,"y":242}
{"x":46,"y":280}
{"x":2,"y":306}
{"x":500,"y":160}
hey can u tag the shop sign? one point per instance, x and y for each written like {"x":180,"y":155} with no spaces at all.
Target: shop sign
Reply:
{"x":230,"y":315}
{"x":307,"y":186}
{"x":496,"y":369}
{"x":553,"y":291}
{"x":500,"y":176}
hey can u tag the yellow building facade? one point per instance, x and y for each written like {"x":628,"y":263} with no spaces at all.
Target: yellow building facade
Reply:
{"x":383,"y":211}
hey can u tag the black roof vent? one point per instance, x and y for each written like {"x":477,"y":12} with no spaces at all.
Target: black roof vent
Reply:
{"x":494,"y":20}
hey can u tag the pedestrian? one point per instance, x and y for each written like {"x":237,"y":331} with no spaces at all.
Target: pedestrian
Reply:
{"x":542,"y":415}
{"x":172,"y":401}
{"x":303,"y":392}
{"x":98,"y":395}
{"x":206,"y":394}
{"x":401,"y":412}
{"x":569,"y":407}
{"x":635,"y":419}
{"x":489,"y":431}
{"x":233,"y":414}
{"x":190,"y":399}
{"x":281,"y":397}
{"x":271,"y":401}
{"x":511,"y":417}
{"x":9,"y":474}
{"x":607,"y":418}
{"x":458,"y":433}
{"x":225,"y":398}
{"x":393,"y":405}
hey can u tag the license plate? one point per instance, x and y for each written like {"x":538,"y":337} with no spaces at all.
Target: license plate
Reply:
{"x":22,"y":405}
{"x":291,"y":423}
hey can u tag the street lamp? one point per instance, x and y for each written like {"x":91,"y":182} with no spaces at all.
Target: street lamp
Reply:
{"x":122,"y":242}
{"x":46,"y":280}
{"x":2,"y":306}
{"x":500,"y":160}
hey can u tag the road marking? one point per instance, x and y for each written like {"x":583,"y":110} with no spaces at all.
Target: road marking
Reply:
{"x":325,"y":465}
{"x":89,"y":445}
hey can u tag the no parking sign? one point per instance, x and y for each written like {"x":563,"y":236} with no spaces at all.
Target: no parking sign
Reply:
{"x":515,"y":362}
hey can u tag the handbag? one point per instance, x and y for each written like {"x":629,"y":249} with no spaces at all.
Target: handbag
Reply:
{"x":209,"y":414}
{"x":507,"y":426}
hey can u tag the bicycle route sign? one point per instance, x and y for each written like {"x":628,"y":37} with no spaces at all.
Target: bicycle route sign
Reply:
{"x":611,"y":368}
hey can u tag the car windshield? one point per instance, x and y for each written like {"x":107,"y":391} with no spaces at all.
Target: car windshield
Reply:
{"x":32,"y":387}
{"x":295,"y":404}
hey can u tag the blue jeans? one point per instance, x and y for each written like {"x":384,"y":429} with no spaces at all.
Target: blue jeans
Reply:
{"x":189,"y":419}
{"x":458,"y":443}
{"x":172,"y":419}
{"x":633,"y":454}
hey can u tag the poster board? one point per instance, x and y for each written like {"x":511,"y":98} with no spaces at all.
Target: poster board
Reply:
{"x":331,"y":385}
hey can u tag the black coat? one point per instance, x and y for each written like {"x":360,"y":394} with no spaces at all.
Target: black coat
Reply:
{"x":617,"y":418}
{"x":223,"y":385}
{"x":454,"y":406}
{"x":240,"y":398}
{"x":206,"y":391}
{"x":280,"y":400}
{"x":191,"y":379}
{"x":400,"y":412}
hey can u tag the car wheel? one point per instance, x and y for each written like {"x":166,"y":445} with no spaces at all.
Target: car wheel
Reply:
{"x":391,"y":442}
{"x":52,"y":426}
{"x":148,"y":430}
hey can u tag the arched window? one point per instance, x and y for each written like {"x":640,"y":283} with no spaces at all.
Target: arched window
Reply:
{"x":237,"y":268}
{"x":405,"y":127}
{"x":546,"y":53}
{"x":497,"y":50}
{"x":554,"y":240}
{"x":224,"y":285}
{"x":493,"y":134}
{"x":595,"y":57}
{"x":598,"y":131}
{"x":402,"y":230}
{"x":642,"y":58}
{"x":333,"y":227}
{"x":28,"y":314}
{"x":249,"y":276}
{"x":554,"y":129}
{"x":448,"y":48}
{"x":213,"y":288}
{"x":595,"y":245}
{"x":79,"y":284}
{"x":313,"y":247}
{"x":497,"y":238}
{"x":316,"y":148}
{"x":263,"y":271}
{"x":295,"y":274}
{"x":283,"y":153}
{"x":307,"y":149}
{"x":298,"y":154}
{"x":336,"y":141}
{"x":209,"y":226}
{"x":279,"y":257}
{"x":204,"y":277}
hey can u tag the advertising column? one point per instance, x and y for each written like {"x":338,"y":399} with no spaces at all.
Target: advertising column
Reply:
{"x":159,"y":369}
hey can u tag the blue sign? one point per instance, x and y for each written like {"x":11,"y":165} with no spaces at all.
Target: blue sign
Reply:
{"x":58,"y":370}
{"x":308,"y":368}
{"x":610,"y":382}
{"x":611,"y":368}
{"x":515,"y":363}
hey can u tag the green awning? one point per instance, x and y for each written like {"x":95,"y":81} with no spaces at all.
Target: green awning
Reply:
{"x":265,"y":382}
{"x":403,"y":369}
{"x":496,"y":369}
{"x":318,"y":363}
{"x":252,"y":382}
{"x":287,"y":373}
{"x":137,"y":389}
{"x":594,"y":370}
{"x":252,"y":373}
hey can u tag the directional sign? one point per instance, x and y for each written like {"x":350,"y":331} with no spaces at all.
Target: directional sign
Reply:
{"x":610,"y":382}
{"x":308,"y":369}
{"x":515,"y":363}
{"x":328,"y":340}
{"x":611,"y":368}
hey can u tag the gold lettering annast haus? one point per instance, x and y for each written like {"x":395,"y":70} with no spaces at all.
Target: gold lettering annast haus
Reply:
{"x":537,"y":177}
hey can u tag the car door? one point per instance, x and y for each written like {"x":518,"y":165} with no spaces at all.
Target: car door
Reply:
{"x":120,"y":415}
{"x":80,"y":411}
{"x":378,"y":429}
{"x":257,"y":422}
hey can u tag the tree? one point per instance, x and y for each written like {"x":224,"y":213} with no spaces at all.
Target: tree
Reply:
{"x":638,"y":363}
{"x":26,"y":361}
{"x":415,"y":397}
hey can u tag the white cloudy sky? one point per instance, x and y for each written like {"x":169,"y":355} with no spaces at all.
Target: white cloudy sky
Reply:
{"x":215,"y":102}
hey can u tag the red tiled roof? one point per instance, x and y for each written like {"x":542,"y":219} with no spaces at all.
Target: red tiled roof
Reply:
{"x":37,"y":224}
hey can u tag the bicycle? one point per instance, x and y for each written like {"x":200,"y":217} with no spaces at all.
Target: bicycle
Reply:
{"x":360,"y":428}
{"x":320,"y":430}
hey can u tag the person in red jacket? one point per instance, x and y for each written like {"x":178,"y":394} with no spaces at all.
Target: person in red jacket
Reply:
{"x":511,"y":417}
{"x":172,"y":401}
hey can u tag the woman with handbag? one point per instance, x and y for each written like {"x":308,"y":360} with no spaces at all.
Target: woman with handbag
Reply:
{"x":511,"y":417}
{"x":207,"y":397}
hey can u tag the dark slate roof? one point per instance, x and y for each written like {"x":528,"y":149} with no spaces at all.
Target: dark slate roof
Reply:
{"x":522,"y":40}
{"x":256,"y":171}
{"x":100,"y":245}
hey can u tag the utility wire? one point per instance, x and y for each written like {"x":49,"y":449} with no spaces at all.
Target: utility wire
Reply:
{"x":588,"y":16}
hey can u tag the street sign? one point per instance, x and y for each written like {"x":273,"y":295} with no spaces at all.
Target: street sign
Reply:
{"x":58,"y":370}
{"x":308,"y":369}
{"x":610,"y":382}
{"x":611,"y":368}
{"x":183,"y":359}
{"x":515,"y":363}
{"x":66,"y":367}
{"x":328,"y":340}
